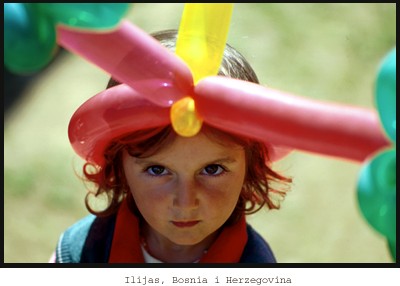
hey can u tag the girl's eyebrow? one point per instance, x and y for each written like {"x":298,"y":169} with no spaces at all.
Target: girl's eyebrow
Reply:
{"x":150,"y":161}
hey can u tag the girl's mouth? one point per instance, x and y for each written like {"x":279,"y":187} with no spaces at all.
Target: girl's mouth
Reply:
{"x":185,"y":223}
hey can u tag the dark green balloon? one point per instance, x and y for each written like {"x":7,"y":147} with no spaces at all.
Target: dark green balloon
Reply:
{"x":385,"y":94}
{"x":376,"y":192}
{"x":29,"y":38}
{"x":30,"y":29}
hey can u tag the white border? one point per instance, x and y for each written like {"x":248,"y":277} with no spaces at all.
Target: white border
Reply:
{"x":200,"y":276}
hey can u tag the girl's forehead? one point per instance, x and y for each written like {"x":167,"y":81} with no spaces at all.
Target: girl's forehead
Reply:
{"x":204,"y":141}
{"x":199,"y":147}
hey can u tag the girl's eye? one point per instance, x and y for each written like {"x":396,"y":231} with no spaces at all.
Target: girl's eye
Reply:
{"x":156,"y":170}
{"x":213,"y":170}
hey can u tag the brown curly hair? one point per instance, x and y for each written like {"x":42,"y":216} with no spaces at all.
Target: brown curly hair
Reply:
{"x":262,"y":185}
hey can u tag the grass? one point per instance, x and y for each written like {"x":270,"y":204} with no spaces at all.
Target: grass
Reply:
{"x":328,"y":52}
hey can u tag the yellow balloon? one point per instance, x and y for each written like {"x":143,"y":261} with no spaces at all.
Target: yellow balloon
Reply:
{"x":184,"y":119}
{"x":202,"y":36}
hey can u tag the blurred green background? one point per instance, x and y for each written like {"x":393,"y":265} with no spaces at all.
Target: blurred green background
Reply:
{"x":329,"y":52}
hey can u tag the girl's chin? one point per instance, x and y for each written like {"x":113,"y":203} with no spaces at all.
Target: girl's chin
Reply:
{"x":189,"y":239}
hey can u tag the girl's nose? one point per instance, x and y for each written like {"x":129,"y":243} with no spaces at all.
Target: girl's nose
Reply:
{"x":186,"y":194}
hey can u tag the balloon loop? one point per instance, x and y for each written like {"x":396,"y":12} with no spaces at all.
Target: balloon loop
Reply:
{"x":184,"y":118}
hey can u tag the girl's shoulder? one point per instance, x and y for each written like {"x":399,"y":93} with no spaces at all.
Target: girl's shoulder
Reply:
{"x":257,"y":249}
{"x":71,"y":241}
{"x":88,"y":232}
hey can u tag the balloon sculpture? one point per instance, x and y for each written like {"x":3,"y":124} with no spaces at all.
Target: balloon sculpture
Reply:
{"x":376,"y":187}
{"x":160,"y":87}
{"x":271,"y":115}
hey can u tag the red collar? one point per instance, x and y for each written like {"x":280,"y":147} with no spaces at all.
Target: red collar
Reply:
{"x":126,"y":248}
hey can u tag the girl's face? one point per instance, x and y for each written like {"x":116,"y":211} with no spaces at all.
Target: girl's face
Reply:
{"x":186,"y":191}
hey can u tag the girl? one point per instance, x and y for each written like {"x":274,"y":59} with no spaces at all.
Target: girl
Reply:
{"x":171,"y":198}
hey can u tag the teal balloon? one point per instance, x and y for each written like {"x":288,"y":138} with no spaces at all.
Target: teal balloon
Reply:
{"x":385,"y":94}
{"x":376,"y":192}
{"x":30,"y":29}
{"x":85,"y":15}
{"x":29,"y":38}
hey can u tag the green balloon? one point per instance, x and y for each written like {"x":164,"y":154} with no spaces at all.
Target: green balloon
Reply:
{"x":85,"y":15}
{"x":30,"y":29}
{"x":29,"y":38}
{"x":376,"y":192}
{"x":385,"y":94}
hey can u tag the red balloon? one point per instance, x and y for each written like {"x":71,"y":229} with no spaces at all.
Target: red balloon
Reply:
{"x":110,"y":114}
{"x":280,"y":118}
{"x":247,"y":109}
{"x":132,"y":57}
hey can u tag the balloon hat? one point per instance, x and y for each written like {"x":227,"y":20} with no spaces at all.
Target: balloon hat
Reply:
{"x":160,"y":87}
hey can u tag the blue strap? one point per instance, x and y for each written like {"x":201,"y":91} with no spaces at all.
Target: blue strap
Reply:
{"x":70,"y":243}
